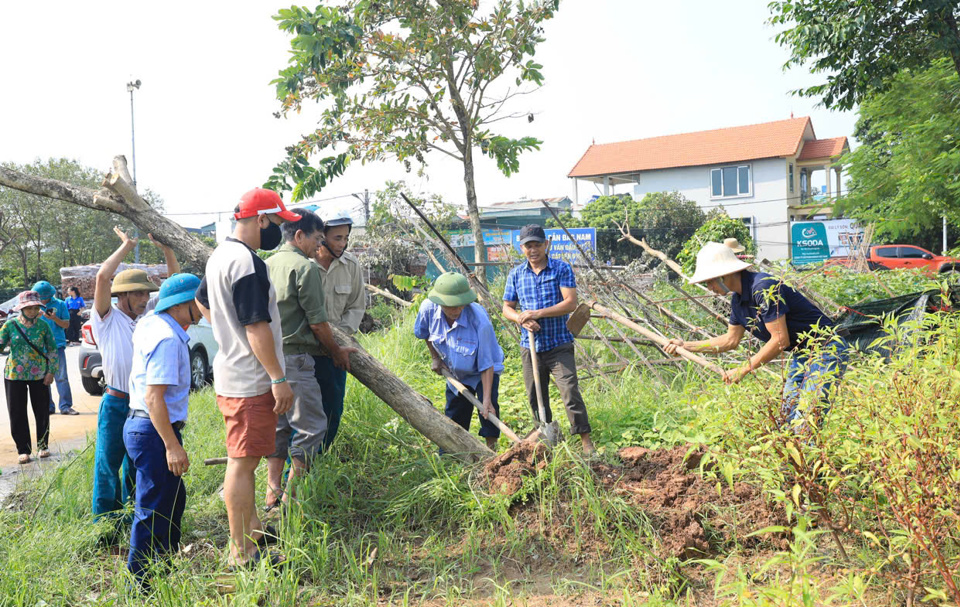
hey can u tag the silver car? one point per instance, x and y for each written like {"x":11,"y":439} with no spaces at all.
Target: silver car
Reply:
{"x":203,"y":348}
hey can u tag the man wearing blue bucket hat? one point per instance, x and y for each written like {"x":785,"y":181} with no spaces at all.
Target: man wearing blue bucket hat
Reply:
{"x":159,"y":391}
{"x":56,"y":314}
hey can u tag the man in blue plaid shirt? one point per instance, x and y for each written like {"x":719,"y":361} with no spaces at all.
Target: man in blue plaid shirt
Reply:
{"x":546,"y":290}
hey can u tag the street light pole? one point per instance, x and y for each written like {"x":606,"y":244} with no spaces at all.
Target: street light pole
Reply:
{"x":132,"y":86}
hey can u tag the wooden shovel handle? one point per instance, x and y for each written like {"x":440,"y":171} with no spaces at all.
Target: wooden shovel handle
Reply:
{"x":661,"y":341}
{"x":465,"y":392}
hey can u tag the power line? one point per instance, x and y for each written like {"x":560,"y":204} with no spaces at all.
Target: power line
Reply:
{"x":292,"y":205}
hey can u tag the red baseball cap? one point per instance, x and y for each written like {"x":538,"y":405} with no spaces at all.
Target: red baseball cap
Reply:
{"x":260,"y":201}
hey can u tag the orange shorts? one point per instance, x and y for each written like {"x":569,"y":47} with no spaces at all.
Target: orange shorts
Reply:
{"x":251,"y":424}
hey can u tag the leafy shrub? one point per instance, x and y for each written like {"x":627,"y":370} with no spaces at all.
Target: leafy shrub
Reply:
{"x":716,"y":228}
{"x":883,"y":471}
{"x":665,"y":219}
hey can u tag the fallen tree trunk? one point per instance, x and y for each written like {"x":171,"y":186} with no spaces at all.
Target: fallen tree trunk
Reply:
{"x":117,"y":196}
{"x":388,"y":295}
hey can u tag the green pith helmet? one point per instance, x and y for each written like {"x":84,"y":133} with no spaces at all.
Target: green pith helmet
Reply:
{"x":132,"y":280}
{"x":452,"y":290}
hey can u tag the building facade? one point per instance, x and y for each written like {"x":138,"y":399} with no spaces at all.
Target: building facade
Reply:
{"x":759,"y":173}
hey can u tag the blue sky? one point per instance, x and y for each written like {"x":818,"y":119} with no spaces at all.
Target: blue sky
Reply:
{"x":615,"y":70}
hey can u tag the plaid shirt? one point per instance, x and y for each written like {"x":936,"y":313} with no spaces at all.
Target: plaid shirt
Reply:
{"x":537,"y":291}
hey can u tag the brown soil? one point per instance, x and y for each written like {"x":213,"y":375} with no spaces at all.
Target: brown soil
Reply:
{"x":690,"y":517}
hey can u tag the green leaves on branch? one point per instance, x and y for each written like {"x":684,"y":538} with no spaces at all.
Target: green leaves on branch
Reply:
{"x":507,"y":151}
{"x":862,"y":44}
{"x":306,"y":180}
{"x":400,"y":79}
{"x":906,"y":174}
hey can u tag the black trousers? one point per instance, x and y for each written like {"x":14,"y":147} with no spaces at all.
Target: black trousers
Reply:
{"x":562,"y":365}
{"x":17,"y":409}
{"x":73,"y":331}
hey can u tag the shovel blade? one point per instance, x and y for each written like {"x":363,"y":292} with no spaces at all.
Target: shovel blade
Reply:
{"x":579,"y":319}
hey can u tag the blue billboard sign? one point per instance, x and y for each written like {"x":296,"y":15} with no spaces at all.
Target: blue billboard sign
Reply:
{"x":561,"y":247}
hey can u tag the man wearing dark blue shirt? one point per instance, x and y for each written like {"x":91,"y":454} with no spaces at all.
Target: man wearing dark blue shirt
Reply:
{"x":775,"y":314}
{"x":546,"y":289}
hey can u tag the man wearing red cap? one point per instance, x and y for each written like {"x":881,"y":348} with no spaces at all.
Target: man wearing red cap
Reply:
{"x":238,"y":299}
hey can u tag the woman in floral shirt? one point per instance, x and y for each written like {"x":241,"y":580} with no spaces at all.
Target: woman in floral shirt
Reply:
{"x":31,"y":366}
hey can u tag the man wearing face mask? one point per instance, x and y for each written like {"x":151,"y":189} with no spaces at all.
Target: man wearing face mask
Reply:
{"x":345,"y":299}
{"x":159,"y":393}
{"x":240,"y":302}
{"x":777,"y":315}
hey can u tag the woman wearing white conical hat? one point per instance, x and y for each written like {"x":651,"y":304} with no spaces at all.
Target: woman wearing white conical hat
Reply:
{"x":777,"y":315}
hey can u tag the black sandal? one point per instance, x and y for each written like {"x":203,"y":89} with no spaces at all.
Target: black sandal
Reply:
{"x":268,"y":537}
{"x":272,"y":558}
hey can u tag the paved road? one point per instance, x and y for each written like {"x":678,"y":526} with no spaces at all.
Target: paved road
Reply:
{"x":67,"y":432}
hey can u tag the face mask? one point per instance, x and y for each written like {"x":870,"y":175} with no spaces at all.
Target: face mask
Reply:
{"x":327,"y":247}
{"x":723,"y":287}
{"x":270,"y":237}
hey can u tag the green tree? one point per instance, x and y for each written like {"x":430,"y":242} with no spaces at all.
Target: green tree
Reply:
{"x":401,"y":78}
{"x":903,"y":177}
{"x":716,"y":228}
{"x":862,"y":44}
{"x":665,"y":219}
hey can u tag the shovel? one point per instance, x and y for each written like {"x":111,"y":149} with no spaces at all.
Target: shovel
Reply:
{"x":579,"y":319}
{"x":476,"y":403}
{"x":549,"y":431}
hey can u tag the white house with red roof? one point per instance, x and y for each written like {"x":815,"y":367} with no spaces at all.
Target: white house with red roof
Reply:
{"x":760,"y":173}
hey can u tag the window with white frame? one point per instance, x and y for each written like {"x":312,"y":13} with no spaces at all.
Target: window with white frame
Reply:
{"x":730,"y":182}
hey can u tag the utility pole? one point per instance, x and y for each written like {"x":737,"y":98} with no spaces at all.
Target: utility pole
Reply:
{"x":366,"y":205}
{"x":944,"y":235}
{"x":132,"y":86}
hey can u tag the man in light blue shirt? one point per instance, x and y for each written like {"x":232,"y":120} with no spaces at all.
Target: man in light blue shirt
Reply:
{"x":56,"y":314}
{"x":159,"y":392}
{"x":461,"y":338}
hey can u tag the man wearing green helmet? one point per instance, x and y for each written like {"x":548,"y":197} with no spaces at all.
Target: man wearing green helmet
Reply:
{"x":461,"y":338}
{"x":56,"y":315}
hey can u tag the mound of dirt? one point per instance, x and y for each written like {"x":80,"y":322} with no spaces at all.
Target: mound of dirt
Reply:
{"x":690,"y":517}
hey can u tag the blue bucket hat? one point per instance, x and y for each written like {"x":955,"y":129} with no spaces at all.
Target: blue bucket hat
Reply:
{"x":44,"y":289}
{"x":177,"y":289}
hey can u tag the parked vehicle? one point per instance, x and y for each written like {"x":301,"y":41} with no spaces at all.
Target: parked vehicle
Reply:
{"x":893,"y":256}
{"x":203,"y":348}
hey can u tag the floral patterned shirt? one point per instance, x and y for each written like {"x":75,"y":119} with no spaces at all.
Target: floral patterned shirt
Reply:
{"x":23,"y":362}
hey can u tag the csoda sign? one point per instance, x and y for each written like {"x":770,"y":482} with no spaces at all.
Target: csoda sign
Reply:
{"x":809,"y":243}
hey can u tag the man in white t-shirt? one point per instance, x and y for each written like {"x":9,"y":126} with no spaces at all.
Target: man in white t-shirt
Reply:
{"x":113,"y":332}
{"x":238,"y":299}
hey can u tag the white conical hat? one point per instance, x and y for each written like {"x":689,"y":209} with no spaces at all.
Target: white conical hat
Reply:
{"x":715,"y":260}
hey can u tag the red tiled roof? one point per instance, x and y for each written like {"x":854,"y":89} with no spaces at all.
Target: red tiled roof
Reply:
{"x":736,"y":144}
{"x":823,"y":148}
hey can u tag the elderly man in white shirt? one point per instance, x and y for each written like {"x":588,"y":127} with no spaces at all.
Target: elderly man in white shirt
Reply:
{"x":113,"y":328}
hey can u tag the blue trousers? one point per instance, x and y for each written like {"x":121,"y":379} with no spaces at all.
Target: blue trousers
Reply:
{"x":333,"y":388}
{"x":814,"y":373}
{"x":160,"y":499}
{"x":63,"y":383}
{"x":113,"y":471}
{"x":460,"y":410}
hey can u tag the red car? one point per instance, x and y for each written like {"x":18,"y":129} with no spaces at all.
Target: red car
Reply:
{"x":892,"y":256}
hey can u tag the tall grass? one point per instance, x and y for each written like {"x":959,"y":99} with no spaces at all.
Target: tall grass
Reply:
{"x":381,"y":517}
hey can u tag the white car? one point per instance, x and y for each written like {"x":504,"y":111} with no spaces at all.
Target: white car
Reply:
{"x":203,"y":348}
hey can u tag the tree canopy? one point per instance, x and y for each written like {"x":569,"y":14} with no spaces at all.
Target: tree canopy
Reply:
{"x":401,"y":78}
{"x":862,"y":44}
{"x":718,"y":227}
{"x":665,"y":219}
{"x":906,"y":173}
